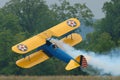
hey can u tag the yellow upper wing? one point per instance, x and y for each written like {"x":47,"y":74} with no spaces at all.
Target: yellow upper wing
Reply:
{"x":40,"y":39}
{"x":31,"y":43}
{"x":65,"y":27}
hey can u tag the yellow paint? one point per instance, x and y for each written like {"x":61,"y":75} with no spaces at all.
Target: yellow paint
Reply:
{"x":71,"y":65}
{"x":40,"y":39}
{"x":31,"y":44}
{"x":32,"y":59}
{"x":72,"y":39}
{"x":64,"y":28}
{"x":78,"y":59}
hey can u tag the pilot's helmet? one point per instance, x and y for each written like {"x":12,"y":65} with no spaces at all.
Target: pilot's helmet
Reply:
{"x":48,"y":39}
{"x":54,"y":45}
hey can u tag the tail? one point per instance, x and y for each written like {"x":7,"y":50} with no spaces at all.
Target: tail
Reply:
{"x":80,"y":61}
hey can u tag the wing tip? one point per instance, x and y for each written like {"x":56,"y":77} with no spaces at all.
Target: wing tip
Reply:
{"x":16,"y":49}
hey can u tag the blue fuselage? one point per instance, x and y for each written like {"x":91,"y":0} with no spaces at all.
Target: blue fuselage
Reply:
{"x":52,"y":50}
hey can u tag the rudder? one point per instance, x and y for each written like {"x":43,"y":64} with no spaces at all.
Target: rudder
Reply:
{"x":82,"y":61}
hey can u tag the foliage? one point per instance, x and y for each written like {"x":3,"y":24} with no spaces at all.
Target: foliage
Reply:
{"x":112,"y":10}
{"x":8,"y":37}
{"x":99,"y":42}
{"x":7,"y":59}
{"x":107,"y":30}
{"x":9,"y":21}
{"x":23,"y":18}
{"x":34,"y":15}
{"x":66,"y":10}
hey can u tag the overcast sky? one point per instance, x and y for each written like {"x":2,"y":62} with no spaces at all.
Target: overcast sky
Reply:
{"x":94,"y":5}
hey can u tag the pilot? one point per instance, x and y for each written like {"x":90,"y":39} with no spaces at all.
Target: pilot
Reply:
{"x":54,"y":46}
{"x":48,"y":42}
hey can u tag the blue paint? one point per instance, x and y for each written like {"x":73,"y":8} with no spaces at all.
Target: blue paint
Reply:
{"x":51,"y":49}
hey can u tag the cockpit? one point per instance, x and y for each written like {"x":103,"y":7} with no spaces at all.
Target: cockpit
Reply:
{"x":54,"y":46}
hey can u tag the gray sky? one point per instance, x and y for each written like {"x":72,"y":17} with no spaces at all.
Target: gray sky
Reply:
{"x":94,"y":5}
{"x":2,"y":2}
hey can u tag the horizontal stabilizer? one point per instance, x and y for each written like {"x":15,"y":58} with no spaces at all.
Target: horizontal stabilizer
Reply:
{"x":32,"y":59}
{"x":71,"y":65}
{"x":72,"y":39}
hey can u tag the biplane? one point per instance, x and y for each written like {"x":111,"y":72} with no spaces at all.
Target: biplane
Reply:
{"x":45,"y":48}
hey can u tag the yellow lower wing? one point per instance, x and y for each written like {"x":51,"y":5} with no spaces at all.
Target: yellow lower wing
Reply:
{"x":32,"y":59}
{"x":72,"y":39}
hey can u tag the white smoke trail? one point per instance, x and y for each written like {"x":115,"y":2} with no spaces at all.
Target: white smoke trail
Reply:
{"x":105,"y":63}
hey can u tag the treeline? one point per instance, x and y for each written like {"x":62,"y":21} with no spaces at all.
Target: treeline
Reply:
{"x":106,"y":35}
{"x":21,"y":19}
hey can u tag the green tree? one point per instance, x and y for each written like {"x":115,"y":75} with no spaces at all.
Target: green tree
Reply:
{"x":7,"y":58}
{"x":110,"y":23}
{"x":34,"y":15}
{"x":9,"y":21}
{"x":9,"y":35}
{"x":65,"y":11}
{"x":99,"y":42}
{"x":106,"y":33}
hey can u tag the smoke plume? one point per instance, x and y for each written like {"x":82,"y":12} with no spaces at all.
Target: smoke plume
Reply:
{"x":105,"y":63}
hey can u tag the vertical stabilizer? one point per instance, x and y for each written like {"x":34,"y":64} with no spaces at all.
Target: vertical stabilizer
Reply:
{"x":82,"y":61}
